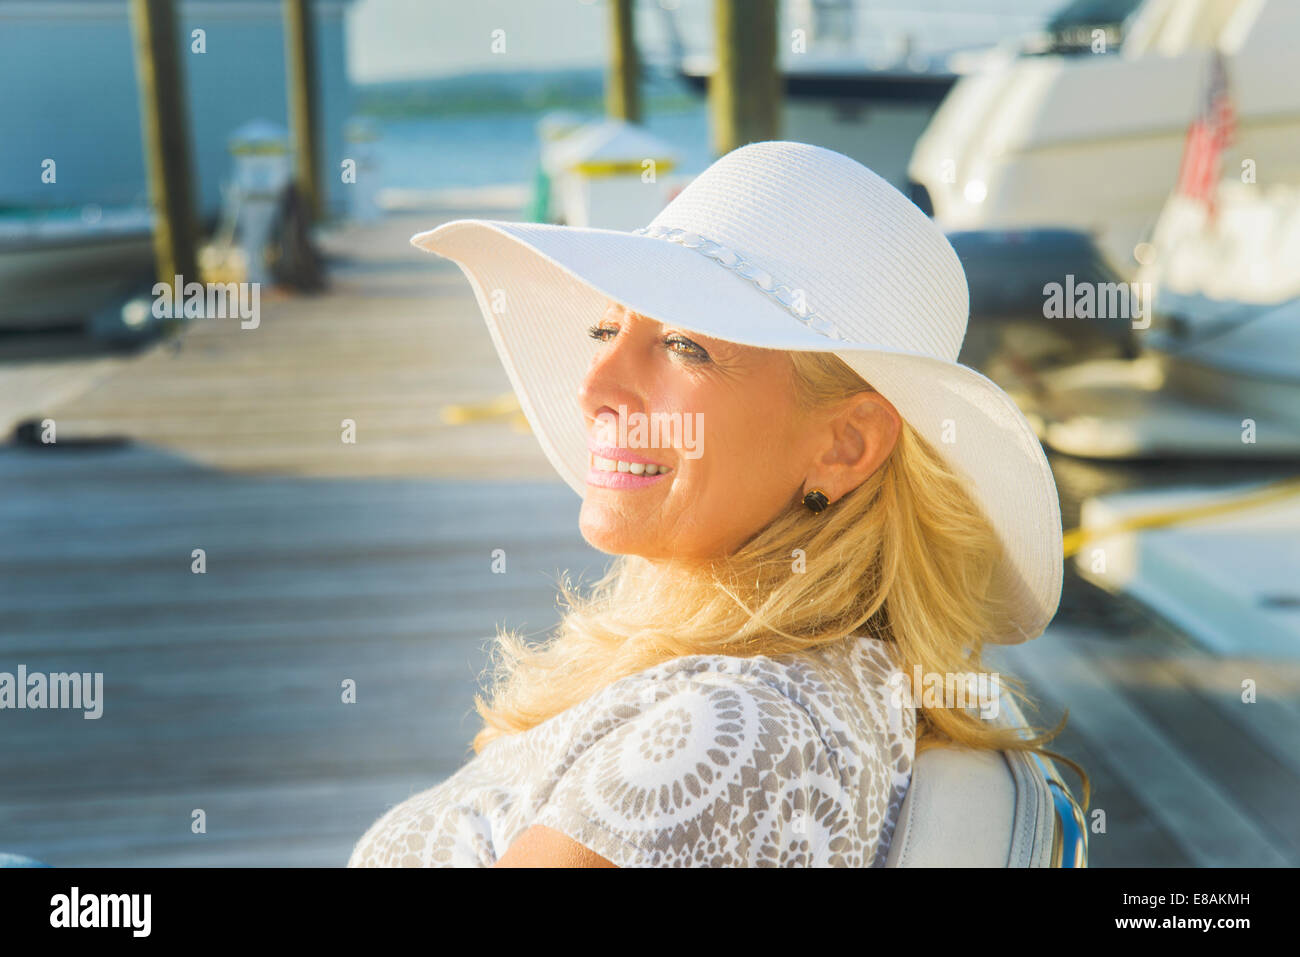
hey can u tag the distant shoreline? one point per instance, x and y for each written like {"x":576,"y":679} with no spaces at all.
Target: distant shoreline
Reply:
{"x":530,"y":91}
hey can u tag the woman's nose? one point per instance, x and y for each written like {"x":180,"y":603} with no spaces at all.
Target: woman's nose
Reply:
{"x":612,"y":378}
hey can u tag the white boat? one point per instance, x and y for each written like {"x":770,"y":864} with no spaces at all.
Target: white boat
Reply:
{"x":1090,"y":142}
{"x":1226,"y":329}
{"x":58,"y":267}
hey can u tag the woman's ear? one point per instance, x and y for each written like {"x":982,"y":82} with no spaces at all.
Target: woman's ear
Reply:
{"x":863,"y":431}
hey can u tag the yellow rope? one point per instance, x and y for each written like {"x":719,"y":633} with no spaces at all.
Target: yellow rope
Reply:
{"x":1076,"y":538}
{"x":503,"y":406}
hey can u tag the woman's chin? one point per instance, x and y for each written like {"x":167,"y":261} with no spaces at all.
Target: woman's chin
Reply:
{"x":613,"y":541}
{"x":614,"y":533}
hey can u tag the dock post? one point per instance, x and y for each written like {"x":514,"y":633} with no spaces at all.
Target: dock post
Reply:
{"x":300,"y":63}
{"x":165,"y":128}
{"x":623,"y":89}
{"x":745,"y":88}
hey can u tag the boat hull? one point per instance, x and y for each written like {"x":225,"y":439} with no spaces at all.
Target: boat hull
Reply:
{"x":64,"y":283}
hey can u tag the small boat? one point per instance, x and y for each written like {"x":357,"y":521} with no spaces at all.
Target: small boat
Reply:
{"x":60,"y":266}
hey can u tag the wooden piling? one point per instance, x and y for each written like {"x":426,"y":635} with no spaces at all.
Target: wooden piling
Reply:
{"x":304,"y":113}
{"x":623,"y":89}
{"x":745,"y":88}
{"x":164,"y":122}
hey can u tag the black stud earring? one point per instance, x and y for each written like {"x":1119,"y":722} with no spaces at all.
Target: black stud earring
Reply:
{"x":816,"y":500}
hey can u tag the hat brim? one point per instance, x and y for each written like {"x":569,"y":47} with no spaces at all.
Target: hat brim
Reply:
{"x":540,"y":287}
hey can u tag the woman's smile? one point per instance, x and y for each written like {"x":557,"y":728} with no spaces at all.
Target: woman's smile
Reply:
{"x":608,"y":473}
{"x":610,"y":467}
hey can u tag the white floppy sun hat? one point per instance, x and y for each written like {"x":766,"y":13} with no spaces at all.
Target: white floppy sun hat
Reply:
{"x":780,"y":245}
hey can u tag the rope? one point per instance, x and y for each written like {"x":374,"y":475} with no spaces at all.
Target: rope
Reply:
{"x":504,"y":406}
{"x":1076,"y":538}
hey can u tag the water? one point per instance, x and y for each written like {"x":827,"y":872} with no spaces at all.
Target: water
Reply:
{"x":433,"y":152}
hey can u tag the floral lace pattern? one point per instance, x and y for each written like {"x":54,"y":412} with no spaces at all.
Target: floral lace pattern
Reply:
{"x":703,"y":761}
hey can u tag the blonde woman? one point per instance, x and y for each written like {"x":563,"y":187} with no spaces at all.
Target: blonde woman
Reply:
{"x":808,"y":500}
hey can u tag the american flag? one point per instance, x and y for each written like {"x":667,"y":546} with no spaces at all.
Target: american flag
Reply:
{"x":1211,"y":131}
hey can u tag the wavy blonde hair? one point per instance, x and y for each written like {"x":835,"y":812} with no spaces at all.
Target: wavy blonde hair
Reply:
{"x":906,"y":557}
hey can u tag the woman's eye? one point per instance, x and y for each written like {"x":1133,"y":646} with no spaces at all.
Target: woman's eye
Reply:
{"x":679,"y":344}
{"x":684,"y":347}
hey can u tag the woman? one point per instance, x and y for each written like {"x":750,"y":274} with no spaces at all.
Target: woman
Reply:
{"x":808,"y":500}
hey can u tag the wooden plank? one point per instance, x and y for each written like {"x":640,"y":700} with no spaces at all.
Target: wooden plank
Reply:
{"x":1211,"y":826}
{"x":303,"y":824}
{"x":1273,"y":720}
{"x":1226,"y":751}
{"x":531,"y":606}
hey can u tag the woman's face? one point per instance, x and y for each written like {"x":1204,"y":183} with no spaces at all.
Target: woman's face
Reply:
{"x":721,"y":418}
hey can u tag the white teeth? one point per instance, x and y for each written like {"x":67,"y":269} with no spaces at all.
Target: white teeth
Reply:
{"x":633,"y":468}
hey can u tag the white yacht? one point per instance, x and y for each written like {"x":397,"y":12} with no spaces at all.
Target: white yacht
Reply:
{"x":1090,"y":142}
{"x":1226,"y":326}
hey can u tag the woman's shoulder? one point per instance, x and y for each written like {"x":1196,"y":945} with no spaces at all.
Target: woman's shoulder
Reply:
{"x":833,"y":699}
{"x":815,"y":678}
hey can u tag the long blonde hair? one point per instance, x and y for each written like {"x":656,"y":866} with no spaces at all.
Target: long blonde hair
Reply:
{"x":906,"y":557}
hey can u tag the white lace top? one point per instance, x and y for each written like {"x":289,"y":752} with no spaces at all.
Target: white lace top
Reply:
{"x":703,"y":761}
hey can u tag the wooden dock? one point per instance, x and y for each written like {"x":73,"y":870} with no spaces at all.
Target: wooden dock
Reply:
{"x":371,"y":561}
